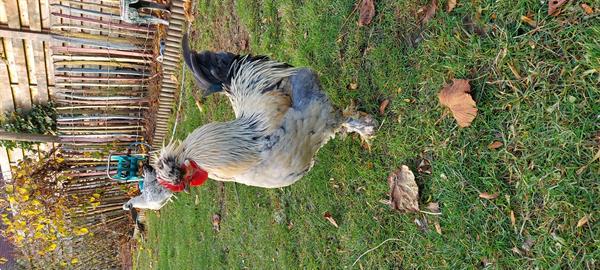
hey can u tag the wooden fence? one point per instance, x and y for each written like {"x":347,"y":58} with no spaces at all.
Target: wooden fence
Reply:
{"x":109,"y":88}
{"x":26,"y":72}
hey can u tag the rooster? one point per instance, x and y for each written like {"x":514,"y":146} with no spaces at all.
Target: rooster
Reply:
{"x":282,"y":118}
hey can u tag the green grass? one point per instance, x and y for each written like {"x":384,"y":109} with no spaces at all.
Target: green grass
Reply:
{"x":545,"y":113}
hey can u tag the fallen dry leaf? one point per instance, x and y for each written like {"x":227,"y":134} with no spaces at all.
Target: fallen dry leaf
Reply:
{"x":457,"y":98}
{"x":587,"y":9}
{"x":513,"y":220}
{"x":553,"y":6}
{"x":495,"y":145}
{"x":529,"y":21}
{"x":366,"y":11}
{"x":404,"y":192}
{"x":173,"y":78}
{"x":422,"y":224}
{"x":216,"y":222}
{"x":488,"y":196}
{"x":433,"y":207}
{"x":383,"y":106}
{"x":430,"y":11}
{"x":582,"y":221}
{"x":329,"y":218}
{"x":451,"y":5}
{"x":438,"y":228}
{"x":352,"y":86}
{"x":424,"y":166}
{"x":527,"y":245}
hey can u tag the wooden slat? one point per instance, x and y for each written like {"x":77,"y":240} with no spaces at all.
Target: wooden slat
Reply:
{"x":3,"y":18}
{"x":6,"y":102}
{"x":5,"y":164}
{"x":16,"y":58}
{"x":49,"y":66}
{"x":45,"y":13}
{"x":15,"y":155}
{"x":42,"y":95}
{"x":26,"y":35}
{"x":22,"y":11}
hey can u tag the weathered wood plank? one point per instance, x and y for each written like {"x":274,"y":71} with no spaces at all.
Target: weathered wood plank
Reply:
{"x":11,"y":7}
{"x":26,"y":35}
{"x":17,"y":62}
{"x":49,"y":66}
{"x":45,"y":13}
{"x":42,"y":95}
{"x":33,"y":12}
{"x":5,"y":164}
{"x":15,"y":155}
{"x":3,"y":18}
{"x":22,"y":11}
{"x":6,"y":102}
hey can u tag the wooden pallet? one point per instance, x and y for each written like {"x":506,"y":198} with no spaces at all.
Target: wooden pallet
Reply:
{"x":169,"y":90}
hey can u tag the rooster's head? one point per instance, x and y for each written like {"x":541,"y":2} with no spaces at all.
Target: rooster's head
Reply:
{"x":177,"y":173}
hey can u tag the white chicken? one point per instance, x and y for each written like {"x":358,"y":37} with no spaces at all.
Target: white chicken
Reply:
{"x":154,"y":196}
{"x":282,"y":118}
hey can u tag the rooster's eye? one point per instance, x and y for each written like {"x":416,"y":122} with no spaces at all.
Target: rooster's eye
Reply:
{"x":160,"y":166}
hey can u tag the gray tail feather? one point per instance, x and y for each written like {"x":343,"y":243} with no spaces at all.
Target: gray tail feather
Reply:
{"x":211,"y":70}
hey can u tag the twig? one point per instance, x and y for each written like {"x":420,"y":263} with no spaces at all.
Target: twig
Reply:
{"x":365,"y":253}
{"x":430,"y":213}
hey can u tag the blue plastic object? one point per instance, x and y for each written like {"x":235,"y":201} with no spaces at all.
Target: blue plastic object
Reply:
{"x":127,"y":166}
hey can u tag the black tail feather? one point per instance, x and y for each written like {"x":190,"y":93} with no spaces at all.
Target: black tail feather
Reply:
{"x":210,"y":69}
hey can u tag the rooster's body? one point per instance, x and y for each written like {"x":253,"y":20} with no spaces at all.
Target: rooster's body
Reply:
{"x":282,"y":119}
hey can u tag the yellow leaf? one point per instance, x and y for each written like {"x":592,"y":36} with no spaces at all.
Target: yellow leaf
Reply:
{"x":25,"y":198}
{"x":35,"y":202}
{"x":92,"y":199}
{"x":63,"y":263}
{"x":3,"y":260}
{"x":51,"y":247}
{"x":81,"y":231}
{"x":74,"y":261}
{"x":96,"y":195}
{"x":9,"y":189}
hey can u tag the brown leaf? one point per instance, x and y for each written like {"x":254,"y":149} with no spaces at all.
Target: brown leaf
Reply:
{"x":554,"y":5}
{"x":495,"y":145}
{"x":424,"y":166}
{"x":433,"y":207}
{"x":587,"y":9}
{"x":383,"y":106}
{"x":488,"y":196}
{"x":457,"y":98}
{"x":527,"y":245}
{"x":430,"y":11}
{"x":438,"y":228}
{"x":329,"y":218}
{"x":582,"y":221}
{"x":352,"y":86}
{"x":366,"y":11}
{"x":216,"y":222}
{"x":451,"y":5}
{"x":404,"y":192}
{"x":529,"y":21}
{"x":513,"y":220}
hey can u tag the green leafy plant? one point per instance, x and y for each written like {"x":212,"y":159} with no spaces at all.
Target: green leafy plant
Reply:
{"x":41,"y":119}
